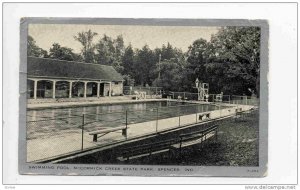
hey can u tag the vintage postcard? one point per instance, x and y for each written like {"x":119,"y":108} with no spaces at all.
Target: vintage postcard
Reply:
{"x":143,"y":97}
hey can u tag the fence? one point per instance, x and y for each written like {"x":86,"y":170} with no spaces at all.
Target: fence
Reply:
{"x":129,"y":90}
{"x":48,"y":137}
{"x":184,"y":95}
{"x":230,"y":99}
{"x":244,"y":100}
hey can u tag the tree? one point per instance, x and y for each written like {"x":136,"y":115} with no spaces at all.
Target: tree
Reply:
{"x":128,"y":61}
{"x":105,"y":50}
{"x":198,"y":56}
{"x":239,"y":48}
{"x":86,"y":40}
{"x":119,"y":46}
{"x":34,"y":50}
{"x":110,"y":52}
{"x":167,"y":52}
{"x":63,"y":53}
{"x":118,"y":53}
{"x":229,"y":62}
{"x":128,"y":80}
{"x":173,"y":62}
{"x":144,"y":63}
{"x":171,"y":76}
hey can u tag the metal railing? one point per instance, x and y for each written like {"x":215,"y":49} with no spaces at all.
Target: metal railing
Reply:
{"x":244,"y":100}
{"x":58,"y":135}
{"x":230,"y":99}
{"x":130,"y":90}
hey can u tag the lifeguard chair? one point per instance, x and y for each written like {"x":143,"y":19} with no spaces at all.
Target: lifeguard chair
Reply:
{"x":202,"y":90}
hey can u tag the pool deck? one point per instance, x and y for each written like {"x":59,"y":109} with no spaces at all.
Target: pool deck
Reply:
{"x":71,"y":141}
{"x":90,"y":102}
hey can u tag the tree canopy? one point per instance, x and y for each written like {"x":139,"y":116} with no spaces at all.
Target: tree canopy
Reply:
{"x":34,"y":50}
{"x":229,"y":61}
{"x":63,"y":53}
{"x":88,"y":48}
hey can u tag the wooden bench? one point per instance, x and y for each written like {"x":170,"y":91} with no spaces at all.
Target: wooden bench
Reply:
{"x":184,"y":140}
{"x":144,"y":150}
{"x":190,"y":139}
{"x":106,"y":130}
{"x":206,"y":114}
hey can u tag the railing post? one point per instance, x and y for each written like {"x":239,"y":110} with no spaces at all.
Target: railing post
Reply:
{"x":126,"y":122}
{"x":179,"y":115}
{"x":82,"y":128}
{"x":156,"y":119}
{"x":180,"y":147}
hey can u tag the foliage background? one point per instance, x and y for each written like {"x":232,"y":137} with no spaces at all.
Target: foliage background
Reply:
{"x":229,"y":62}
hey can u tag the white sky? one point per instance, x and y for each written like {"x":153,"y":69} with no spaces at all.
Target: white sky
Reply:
{"x":178,"y":36}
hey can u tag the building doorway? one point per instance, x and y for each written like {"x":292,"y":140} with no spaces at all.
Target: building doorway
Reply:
{"x":91,"y":89}
{"x":77,"y":89}
{"x":102,"y":89}
{"x":62,"y":89}
{"x":44,"y":89}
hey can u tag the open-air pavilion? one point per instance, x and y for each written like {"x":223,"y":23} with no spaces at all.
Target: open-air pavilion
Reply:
{"x":51,"y":78}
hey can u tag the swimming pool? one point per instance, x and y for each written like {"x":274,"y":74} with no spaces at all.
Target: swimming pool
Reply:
{"x":54,"y":121}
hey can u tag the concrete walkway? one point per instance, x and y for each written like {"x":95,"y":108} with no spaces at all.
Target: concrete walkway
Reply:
{"x":70,"y":141}
{"x":89,"y":102}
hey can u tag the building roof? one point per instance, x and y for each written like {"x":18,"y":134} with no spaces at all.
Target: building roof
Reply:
{"x":53,"y":68}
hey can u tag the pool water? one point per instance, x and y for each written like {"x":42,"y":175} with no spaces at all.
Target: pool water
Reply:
{"x":52,"y":121}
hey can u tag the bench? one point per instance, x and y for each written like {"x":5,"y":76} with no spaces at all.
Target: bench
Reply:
{"x":144,"y":150}
{"x":190,"y":139}
{"x":106,"y":130}
{"x":206,"y":114}
{"x":184,"y":140}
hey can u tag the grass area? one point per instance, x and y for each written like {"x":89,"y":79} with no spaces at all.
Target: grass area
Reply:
{"x":237,"y":145}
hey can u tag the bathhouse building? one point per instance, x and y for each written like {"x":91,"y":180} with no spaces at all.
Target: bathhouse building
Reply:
{"x":52,"y":78}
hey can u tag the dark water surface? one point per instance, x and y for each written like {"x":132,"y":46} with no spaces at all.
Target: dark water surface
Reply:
{"x":54,"y":120}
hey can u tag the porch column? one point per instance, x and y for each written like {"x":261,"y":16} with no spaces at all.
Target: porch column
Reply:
{"x":98,"y":89}
{"x":53,"y":88}
{"x":110,"y":89}
{"x":70,"y":89}
{"x":35,"y":89}
{"x":85,"y":86}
